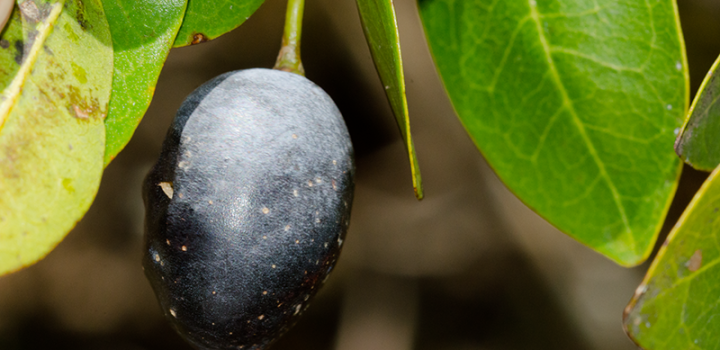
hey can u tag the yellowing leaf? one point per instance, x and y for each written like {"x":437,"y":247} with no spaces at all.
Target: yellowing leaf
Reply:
{"x":52,"y":140}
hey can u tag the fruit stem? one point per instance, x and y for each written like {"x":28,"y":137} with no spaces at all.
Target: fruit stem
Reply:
{"x":289,"y":57}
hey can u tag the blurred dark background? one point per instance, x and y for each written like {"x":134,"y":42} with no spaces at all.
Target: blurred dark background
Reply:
{"x":468,"y":268}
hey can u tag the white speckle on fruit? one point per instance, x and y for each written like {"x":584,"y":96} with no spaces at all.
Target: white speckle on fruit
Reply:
{"x":287,"y":227}
{"x":318,"y":180}
{"x":180,"y":195}
{"x":334,"y":185}
{"x":261,"y":317}
{"x":310,"y":183}
{"x":317,"y":221}
{"x":294,"y":136}
{"x":184,"y":248}
{"x":214,"y":292}
{"x":264,"y":292}
{"x":297,"y":309}
{"x":167,"y":188}
{"x":295,"y":193}
{"x":210,"y":202}
{"x":183,"y":164}
{"x":167,"y":241}
{"x":334,"y":162}
{"x":326,"y":244}
{"x":297,"y":241}
{"x":172,"y":312}
{"x":157,"y":257}
{"x":264,"y":237}
{"x":265,"y":210}
{"x":340,"y":241}
{"x":273,"y":266}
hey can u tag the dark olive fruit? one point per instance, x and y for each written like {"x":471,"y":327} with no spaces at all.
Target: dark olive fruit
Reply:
{"x":247,"y":207}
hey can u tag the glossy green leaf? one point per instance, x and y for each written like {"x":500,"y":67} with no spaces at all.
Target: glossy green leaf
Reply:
{"x":676,"y":306}
{"x":142,"y":32}
{"x":380,"y":26}
{"x":52,"y":140}
{"x":574,"y":103}
{"x":208,"y":19}
{"x":699,"y":140}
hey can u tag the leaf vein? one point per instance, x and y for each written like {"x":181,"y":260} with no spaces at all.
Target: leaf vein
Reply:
{"x":579,"y":124}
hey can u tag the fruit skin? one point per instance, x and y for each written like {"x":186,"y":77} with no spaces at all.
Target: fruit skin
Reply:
{"x":247,"y":207}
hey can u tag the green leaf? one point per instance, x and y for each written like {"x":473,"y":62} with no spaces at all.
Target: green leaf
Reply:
{"x":676,"y":306}
{"x":52,"y":140}
{"x":574,"y":104}
{"x":142,"y":32}
{"x":380,"y":26}
{"x":208,"y":19}
{"x":698,"y":143}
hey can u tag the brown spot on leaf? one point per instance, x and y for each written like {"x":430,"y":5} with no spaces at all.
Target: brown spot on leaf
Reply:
{"x":30,"y":11}
{"x":4,"y":43}
{"x":80,"y":15}
{"x":81,"y":113}
{"x":199,"y":38}
{"x":19,"y":51}
{"x":695,"y":261}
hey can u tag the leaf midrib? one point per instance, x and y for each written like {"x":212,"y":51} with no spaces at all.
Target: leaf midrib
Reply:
{"x":535,"y":16}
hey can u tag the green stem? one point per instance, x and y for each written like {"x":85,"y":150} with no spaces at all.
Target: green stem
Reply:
{"x":289,"y":58}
